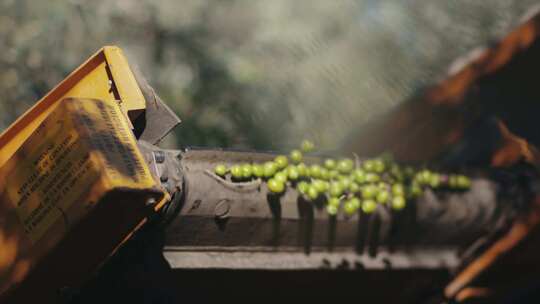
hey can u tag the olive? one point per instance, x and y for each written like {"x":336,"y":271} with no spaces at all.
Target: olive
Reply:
{"x":334,"y":201}
{"x":307,"y":146}
{"x":312,"y":193}
{"x":320,"y":185}
{"x":398,"y":202}
{"x":270,"y":169}
{"x":382,"y":197}
{"x":359,"y":176}
{"x":369,"y":165}
{"x":345,"y":166}
{"x":292,"y":173}
{"x":331,"y":209}
{"x":330,"y":164}
{"x":237,"y":172}
{"x":281,"y":161}
{"x":302,"y":187}
{"x":335,"y":189}
{"x":354,"y":187}
{"x":349,"y":208}
{"x":463,"y":182}
{"x":247,"y":170}
{"x":372,"y":178}
{"x":435,"y":180}
{"x":378,"y":166}
{"x":302,"y":169}
{"x":220,"y":170}
{"x":369,"y":191}
{"x":369,"y":206}
{"x":296,"y":156}
{"x":258,"y":170}
{"x":315,"y":171}
{"x":281,"y":176}
{"x":276,"y":186}
{"x":397,"y":189}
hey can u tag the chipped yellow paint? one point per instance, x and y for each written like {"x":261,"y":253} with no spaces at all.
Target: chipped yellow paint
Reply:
{"x":81,"y":151}
{"x":105,"y":76}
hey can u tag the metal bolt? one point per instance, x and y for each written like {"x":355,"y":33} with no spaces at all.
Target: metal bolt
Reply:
{"x":151,"y":201}
{"x":222,"y":209}
{"x":159,"y":156}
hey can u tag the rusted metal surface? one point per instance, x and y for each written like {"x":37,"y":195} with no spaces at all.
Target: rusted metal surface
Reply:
{"x":485,"y":112}
{"x":489,"y":82}
{"x":502,"y":252}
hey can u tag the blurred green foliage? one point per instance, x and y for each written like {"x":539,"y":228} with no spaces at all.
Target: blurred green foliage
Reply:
{"x":251,"y":73}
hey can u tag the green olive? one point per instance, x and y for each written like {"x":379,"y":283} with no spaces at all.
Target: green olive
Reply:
{"x":330,"y":164}
{"x":398,"y":202}
{"x":398,"y":190}
{"x":372,"y":177}
{"x":276,"y":186}
{"x":332,"y":210}
{"x":302,"y":187}
{"x":424,"y":177}
{"x":247,"y":170}
{"x":220,"y":170}
{"x":292,"y":173}
{"x":354,"y":187}
{"x":237,"y":172}
{"x":270,"y":169}
{"x":312,"y":193}
{"x":382,"y":197}
{"x":463,"y":182}
{"x":302,"y":169}
{"x":258,"y":170}
{"x":335,"y":190}
{"x":359,"y":176}
{"x":395,"y":170}
{"x":453,"y":181}
{"x":382,"y":186}
{"x":345,"y":182}
{"x":281,"y":161}
{"x":281,"y":176}
{"x":325,"y":174}
{"x":345,"y":166}
{"x":369,"y":206}
{"x":296,"y":156}
{"x":369,"y":192}
{"x":320,"y":186}
{"x":355,"y":202}
{"x":315,"y":171}
{"x":349,"y":208}
{"x":435,"y":180}
{"x":415,"y":190}
{"x":307,"y":146}
{"x":369,"y":165}
{"x":333,"y":174}
{"x":378,"y":166}
{"x":334,"y":201}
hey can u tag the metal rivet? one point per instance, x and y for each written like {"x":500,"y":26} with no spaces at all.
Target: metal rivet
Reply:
{"x":160,"y":156}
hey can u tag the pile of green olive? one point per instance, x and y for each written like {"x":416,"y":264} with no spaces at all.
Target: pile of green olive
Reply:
{"x":346,"y":183}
